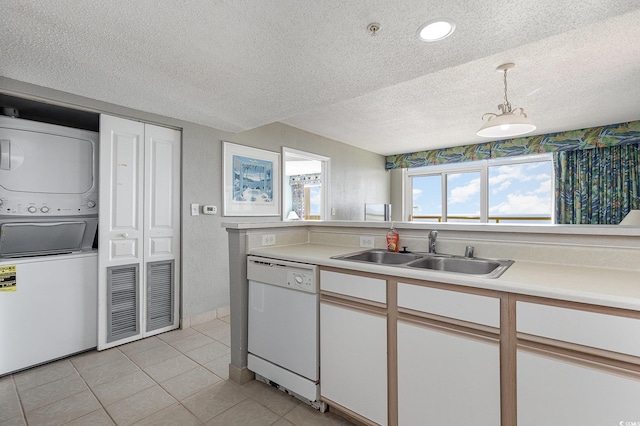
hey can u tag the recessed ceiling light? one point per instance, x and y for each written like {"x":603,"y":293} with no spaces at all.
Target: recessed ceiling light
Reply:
{"x":436,"y":29}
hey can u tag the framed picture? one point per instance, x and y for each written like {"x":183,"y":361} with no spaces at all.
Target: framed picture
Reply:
{"x":251,"y":180}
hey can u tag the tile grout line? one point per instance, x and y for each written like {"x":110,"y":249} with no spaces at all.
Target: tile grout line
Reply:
{"x":93,"y":393}
{"x":221,"y":378}
{"x":153,"y":380}
{"x":162,"y":387}
{"x":18,"y":394}
{"x":247,"y":395}
{"x":22,"y":410}
{"x":178,"y":402}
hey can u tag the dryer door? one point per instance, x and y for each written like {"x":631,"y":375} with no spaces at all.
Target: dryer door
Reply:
{"x":32,"y":239}
{"x":66,"y":163}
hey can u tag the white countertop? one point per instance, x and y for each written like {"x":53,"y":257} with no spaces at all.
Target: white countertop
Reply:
{"x":599,"y":286}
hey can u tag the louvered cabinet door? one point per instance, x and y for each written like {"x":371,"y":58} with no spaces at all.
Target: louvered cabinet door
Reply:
{"x":123,"y":304}
{"x":139,"y":236}
{"x":160,"y":295}
{"x":120,"y":231}
{"x":161,"y":227}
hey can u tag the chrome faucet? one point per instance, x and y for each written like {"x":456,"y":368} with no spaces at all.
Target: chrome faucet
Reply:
{"x":468,"y":251}
{"x":432,"y":241}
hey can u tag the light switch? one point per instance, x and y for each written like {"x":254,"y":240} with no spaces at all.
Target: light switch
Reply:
{"x":195,"y":209}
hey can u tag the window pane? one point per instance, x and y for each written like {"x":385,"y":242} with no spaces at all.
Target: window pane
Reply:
{"x":463,"y":197}
{"x":427,"y":198}
{"x":315,"y":200}
{"x":520,"y":193}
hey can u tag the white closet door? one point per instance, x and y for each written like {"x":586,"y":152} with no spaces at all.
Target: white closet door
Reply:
{"x":161,"y":229}
{"x":162,"y":186}
{"x":120,"y":256}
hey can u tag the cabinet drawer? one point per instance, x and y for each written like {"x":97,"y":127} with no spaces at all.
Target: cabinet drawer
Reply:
{"x":368,"y":288}
{"x":452,"y":304}
{"x":604,"y":331}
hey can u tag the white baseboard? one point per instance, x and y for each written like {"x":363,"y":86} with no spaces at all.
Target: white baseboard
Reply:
{"x":204,"y":317}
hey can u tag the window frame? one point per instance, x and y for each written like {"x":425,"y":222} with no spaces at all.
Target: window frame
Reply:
{"x":482,"y":167}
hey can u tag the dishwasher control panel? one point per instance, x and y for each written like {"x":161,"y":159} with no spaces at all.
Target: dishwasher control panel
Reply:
{"x":301,"y":281}
{"x":293,"y":275}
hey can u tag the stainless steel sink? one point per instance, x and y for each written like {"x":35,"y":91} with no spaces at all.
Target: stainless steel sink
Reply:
{"x":380,"y":256}
{"x":462,"y":265}
{"x":487,"y":268}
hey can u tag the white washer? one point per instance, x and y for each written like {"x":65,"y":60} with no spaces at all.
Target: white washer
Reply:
{"x":51,"y":312}
{"x":283,"y":341}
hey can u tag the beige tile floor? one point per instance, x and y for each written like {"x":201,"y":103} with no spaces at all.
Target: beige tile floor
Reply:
{"x":179,"y":378}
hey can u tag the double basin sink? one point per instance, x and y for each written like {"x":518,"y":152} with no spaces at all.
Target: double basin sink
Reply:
{"x":487,"y":268}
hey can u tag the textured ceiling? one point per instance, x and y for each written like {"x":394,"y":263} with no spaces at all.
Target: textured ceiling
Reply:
{"x":239,"y":64}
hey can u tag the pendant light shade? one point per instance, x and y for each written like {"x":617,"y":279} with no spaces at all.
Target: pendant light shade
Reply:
{"x":506,"y":124}
{"x":510,"y":122}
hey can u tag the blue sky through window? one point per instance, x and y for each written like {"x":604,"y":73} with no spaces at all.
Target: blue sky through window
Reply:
{"x":514,"y":189}
{"x":520,"y":189}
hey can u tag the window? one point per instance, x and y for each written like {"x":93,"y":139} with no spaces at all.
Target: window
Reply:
{"x":463,"y":196}
{"x":305,"y":185}
{"x":495,"y":191}
{"x":521,"y":192}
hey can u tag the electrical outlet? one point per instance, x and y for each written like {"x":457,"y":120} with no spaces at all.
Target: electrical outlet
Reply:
{"x":366,"y":241}
{"x":269,"y":239}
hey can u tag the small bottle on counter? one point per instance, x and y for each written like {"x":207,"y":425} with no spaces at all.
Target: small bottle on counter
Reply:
{"x":392,"y":239}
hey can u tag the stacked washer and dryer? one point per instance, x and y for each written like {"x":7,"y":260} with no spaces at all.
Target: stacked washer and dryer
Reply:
{"x":48,"y":255}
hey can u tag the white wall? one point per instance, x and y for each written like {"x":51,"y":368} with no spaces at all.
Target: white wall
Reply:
{"x":357,"y":176}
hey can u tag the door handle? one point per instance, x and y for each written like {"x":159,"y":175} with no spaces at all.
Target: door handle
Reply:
{"x":125,"y":235}
{"x":5,"y":154}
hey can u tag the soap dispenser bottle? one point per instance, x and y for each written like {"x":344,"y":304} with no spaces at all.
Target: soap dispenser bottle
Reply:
{"x":392,"y":239}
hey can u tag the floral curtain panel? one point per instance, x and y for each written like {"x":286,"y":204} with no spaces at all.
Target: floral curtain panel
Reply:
{"x":597,"y":186}
{"x":595,"y":137}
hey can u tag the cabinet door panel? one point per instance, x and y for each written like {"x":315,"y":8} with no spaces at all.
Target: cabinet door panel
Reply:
{"x":121,"y":163}
{"x":613,"y":333}
{"x":464,"y":306}
{"x":353,"y":360}
{"x":374,"y":289}
{"x":162,"y":208}
{"x":139,"y":222}
{"x":552,"y":391}
{"x":120,"y":212}
{"x":446,"y":379}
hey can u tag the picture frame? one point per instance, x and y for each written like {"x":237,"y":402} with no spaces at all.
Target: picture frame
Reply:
{"x":251,"y":181}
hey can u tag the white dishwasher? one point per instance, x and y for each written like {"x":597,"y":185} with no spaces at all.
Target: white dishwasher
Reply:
{"x":283,"y":339}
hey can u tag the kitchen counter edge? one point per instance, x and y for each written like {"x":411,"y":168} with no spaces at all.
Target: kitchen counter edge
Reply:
{"x":615,"y":288}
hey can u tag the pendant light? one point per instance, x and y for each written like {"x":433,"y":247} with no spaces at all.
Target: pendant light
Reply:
{"x":510,"y":122}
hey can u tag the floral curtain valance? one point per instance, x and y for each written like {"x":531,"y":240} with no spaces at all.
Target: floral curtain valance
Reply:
{"x":594,"y":137}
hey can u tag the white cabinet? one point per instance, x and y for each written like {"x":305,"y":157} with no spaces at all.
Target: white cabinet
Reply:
{"x":353,"y":360}
{"x":367,"y":288}
{"x":593,"y":329}
{"x":422,"y":353}
{"x":446,"y":376}
{"x":474,"y":308}
{"x":139,"y":233}
{"x":567,"y":371}
{"x":553,"y":391}
{"x":353,"y":345}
